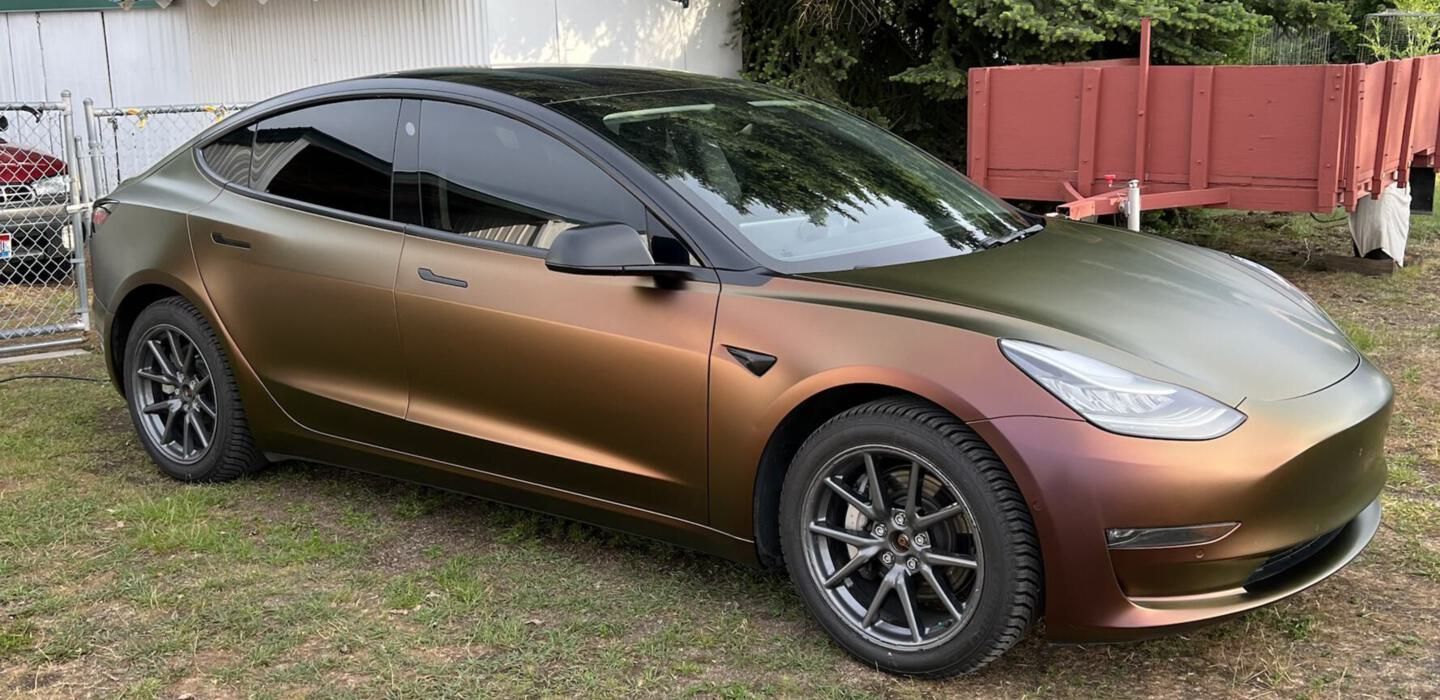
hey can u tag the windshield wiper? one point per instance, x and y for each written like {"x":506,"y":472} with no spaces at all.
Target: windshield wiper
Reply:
{"x":1022,"y":233}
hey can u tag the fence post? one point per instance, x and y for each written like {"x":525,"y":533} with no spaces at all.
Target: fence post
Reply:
{"x":92,"y":139}
{"x":77,"y":217}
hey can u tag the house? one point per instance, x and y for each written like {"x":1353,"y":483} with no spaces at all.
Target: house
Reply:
{"x":213,"y":51}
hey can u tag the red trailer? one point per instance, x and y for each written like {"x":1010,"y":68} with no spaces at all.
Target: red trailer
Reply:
{"x":1266,"y":138}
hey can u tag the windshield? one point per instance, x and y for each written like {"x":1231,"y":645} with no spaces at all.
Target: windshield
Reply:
{"x":808,"y":188}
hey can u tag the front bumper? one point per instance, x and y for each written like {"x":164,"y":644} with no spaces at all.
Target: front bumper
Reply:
{"x":1305,"y":471}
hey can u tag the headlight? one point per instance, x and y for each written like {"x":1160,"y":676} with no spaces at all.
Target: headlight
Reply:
{"x":51,"y":186}
{"x":1120,"y":401}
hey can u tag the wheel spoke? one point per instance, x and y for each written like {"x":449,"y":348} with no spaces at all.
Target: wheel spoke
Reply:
{"x":210,"y":411}
{"x":171,"y":420}
{"x":902,"y":589}
{"x":158,"y":379}
{"x":940,"y":592}
{"x":877,"y":491}
{"x":202,"y":383}
{"x":859,"y":560}
{"x":199,"y":430}
{"x":175,"y":350}
{"x":887,"y":584}
{"x":925,"y":521}
{"x":912,"y":496}
{"x":852,"y":499}
{"x":155,"y":350}
{"x":936,"y":559}
{"x":168,"y":405}
{"x":185,"y":440}
{"x":189,"y":361}
{"x":858,"y":539}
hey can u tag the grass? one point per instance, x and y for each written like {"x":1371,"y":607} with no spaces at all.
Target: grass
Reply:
{"x":314,"y":581}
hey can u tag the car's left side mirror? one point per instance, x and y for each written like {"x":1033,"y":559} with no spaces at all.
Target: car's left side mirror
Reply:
{"x":605,"y":249}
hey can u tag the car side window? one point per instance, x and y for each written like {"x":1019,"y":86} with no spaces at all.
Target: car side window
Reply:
{"x":488,"y":177}
{"x":337,"y":155}
{"x":229,"y":156}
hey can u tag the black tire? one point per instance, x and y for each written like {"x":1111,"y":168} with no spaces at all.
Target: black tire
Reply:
{"x":231,"y":450}
{"x":1008,"y":582}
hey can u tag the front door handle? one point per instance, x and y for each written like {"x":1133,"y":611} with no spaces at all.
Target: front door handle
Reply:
{"x":429,"y":276}
{"x":222,"y":239}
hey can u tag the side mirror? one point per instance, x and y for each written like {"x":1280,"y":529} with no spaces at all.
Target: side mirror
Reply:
{"x":604,"y":249}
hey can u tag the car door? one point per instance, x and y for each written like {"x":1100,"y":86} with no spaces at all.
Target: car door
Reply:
{"x":595,"y":385}
{"x":298,"y":256}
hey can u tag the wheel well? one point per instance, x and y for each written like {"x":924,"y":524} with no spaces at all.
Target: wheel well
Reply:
{"x":785,"y":442}
{"x":125,"y":315}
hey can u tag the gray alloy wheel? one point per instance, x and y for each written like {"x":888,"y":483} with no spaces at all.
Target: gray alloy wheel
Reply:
{"x":174,"y":394}
{"x":895,"y":546}
{"x":909,"y":541}
{"x":183,"y":398}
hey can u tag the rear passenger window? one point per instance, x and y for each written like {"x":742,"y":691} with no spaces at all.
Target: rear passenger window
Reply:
{"x":489,"y":177}
{"x":335,"y":155}
{"x":229,"y":156}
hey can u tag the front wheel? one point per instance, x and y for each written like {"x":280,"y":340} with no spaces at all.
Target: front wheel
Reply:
{"x":908,"y":540}
{"x":182,"y":395}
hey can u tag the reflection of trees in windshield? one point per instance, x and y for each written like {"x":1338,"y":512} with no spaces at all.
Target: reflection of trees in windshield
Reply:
{"x":758,"y":149}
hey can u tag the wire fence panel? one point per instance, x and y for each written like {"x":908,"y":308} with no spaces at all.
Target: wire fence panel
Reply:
{"x":1394,"y":34}
{"x":42,"y":259}
{"x":1280,"y":46}
{"x":125,"y":141}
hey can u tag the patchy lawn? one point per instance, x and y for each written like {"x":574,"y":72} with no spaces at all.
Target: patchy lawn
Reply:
{"x":309,"y":580}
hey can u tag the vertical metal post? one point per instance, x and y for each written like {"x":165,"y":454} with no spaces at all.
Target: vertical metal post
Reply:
{"x":1142,"y":99}
{"x":77,"y":218}
{"x":92,"y":139}
{"x":1132,"y":205}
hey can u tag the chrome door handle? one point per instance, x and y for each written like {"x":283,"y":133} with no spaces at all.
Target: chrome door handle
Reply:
{"x":222,"y":239}
{"x":429,"y":276}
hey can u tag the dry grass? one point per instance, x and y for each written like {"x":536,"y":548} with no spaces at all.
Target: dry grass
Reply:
{"x":309,"y":580}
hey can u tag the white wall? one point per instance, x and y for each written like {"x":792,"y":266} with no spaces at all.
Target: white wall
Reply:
{"x":115,"y":58}
{"x":244,"y":51}
{"x":241,"y":51}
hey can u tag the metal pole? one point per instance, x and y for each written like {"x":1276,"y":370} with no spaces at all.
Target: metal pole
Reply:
{"x":92,"y":138}
{"x":1142,"y":100}
{"x":1132,"y":205}
{"x":77,"y":218}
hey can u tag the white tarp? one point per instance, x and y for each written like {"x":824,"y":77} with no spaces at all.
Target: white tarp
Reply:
{"x":1383,"y":224}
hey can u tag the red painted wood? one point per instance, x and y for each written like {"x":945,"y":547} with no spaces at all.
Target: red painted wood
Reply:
{"x":978,"y":145}
{"x":1089,"y":116}
{"x":1282,"y":138}
{"x":1200,"y":128}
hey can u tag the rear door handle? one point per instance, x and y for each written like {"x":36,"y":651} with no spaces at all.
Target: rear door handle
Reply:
{"x":232,"y":242}
{"x":429,"y":276}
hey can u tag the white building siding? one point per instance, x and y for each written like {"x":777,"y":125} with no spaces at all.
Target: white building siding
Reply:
{"x":241,"y":51}
{"x":124,"y":58}
{"x":260,"y":51}
{"x":288,"y":44}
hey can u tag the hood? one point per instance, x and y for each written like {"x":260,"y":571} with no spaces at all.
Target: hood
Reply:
{"x":19,"y":165}
{"x":1238,"y":332}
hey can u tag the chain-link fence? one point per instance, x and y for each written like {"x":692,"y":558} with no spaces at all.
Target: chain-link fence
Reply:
{"x":42,"y":258}
{"x":125,"y":141}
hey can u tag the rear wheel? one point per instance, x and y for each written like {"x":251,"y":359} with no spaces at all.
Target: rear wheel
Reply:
{"x":182,"y":395}
{"x":909,"y":541}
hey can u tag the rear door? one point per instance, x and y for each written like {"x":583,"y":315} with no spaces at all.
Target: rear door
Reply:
{"x":594,"y":385}
{"x":299,"y":259}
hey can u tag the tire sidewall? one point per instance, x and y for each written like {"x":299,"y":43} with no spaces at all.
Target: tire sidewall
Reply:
{"x":180,"y":315}
{"x":998,"y":587}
